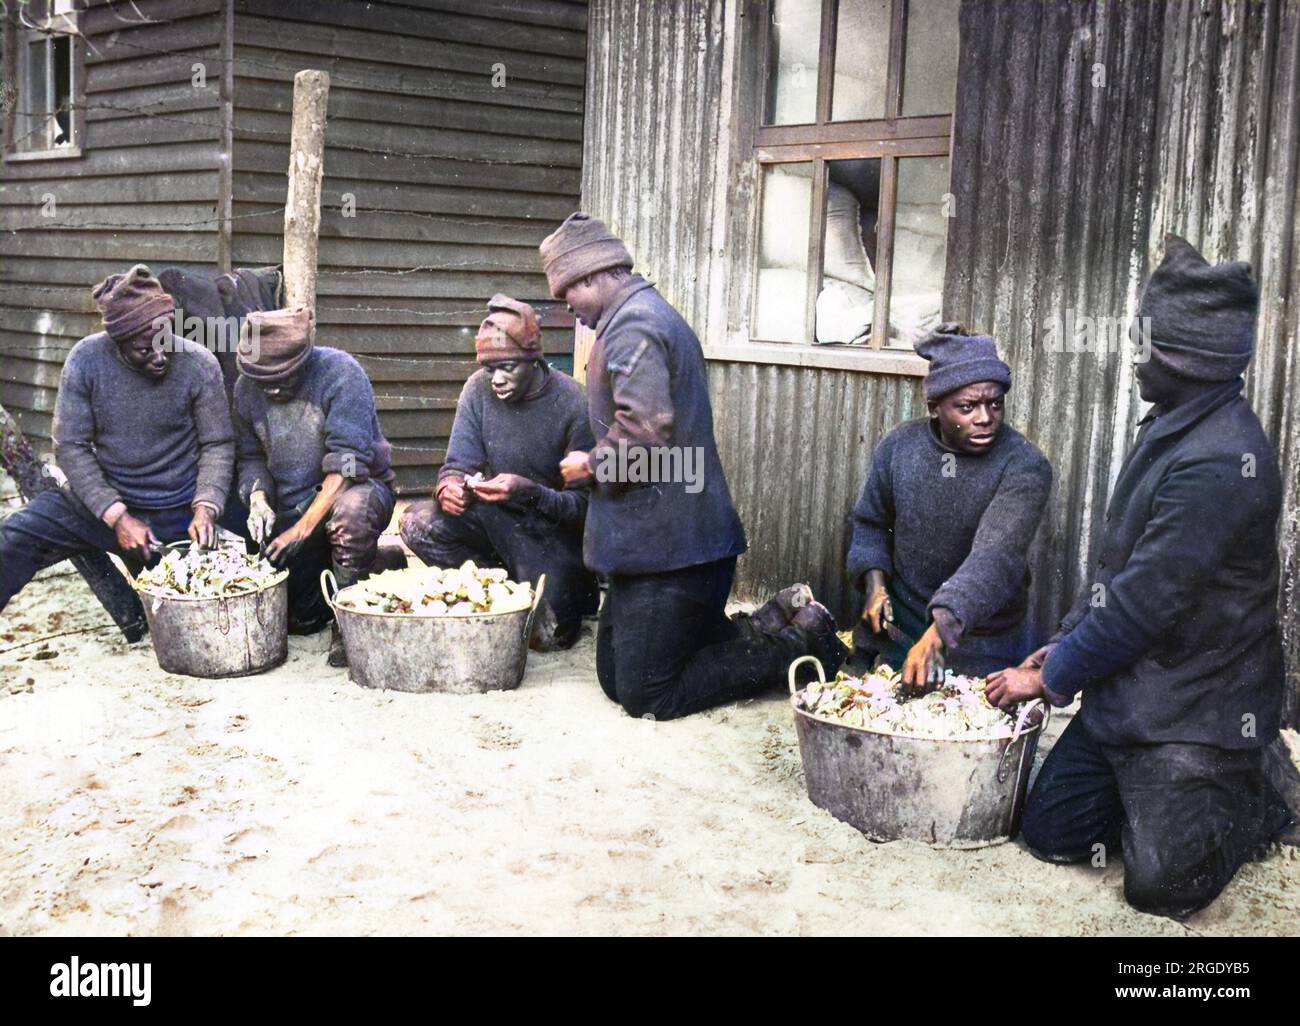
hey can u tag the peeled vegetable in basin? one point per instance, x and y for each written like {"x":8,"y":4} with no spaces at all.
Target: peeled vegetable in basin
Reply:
{"x":958,"y":710}
{"x":429,"y":591}
{"x":211,"y":573}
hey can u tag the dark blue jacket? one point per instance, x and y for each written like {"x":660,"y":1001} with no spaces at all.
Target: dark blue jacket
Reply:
{"x":650,"y":412}
{"x":1176,"y":638}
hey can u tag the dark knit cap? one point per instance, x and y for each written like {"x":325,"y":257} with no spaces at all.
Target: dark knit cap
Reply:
{"x":582,"y":245}
{"x":273,"y":344}
{"x":957,"y":360}
{"x":509,"y":332}
{"x":131,"y":303}
{"x":1202,"y":315}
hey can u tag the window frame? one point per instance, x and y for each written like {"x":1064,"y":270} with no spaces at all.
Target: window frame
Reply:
{"x":66,"y":24}
{"x":890,"y":138}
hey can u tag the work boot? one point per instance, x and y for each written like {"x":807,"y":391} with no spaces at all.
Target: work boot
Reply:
{"x":338,"y":657}
{"x":818,"y":626}
{"x":780,"y":609}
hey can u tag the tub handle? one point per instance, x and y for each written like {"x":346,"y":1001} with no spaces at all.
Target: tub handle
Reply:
{"x":532,"y":612}
{"x":223,"y":617}
{"x":329,"y":587}
{"x":794,"y":666}
{"x":1022,"y":722}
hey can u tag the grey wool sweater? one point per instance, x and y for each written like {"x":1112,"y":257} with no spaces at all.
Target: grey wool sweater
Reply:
{"x":950,"y":529}
{"x":152,"y":444}
{"x":528,"y":438}
{"x":330,"y":426}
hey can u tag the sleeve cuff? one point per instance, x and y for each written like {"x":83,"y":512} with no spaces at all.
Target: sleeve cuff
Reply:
{"x":1056,"y":676}
{"x":111,"y":515}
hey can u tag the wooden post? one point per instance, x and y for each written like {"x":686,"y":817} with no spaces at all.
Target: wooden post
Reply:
{"x":109,"y":586}
{"x":302,"y":205}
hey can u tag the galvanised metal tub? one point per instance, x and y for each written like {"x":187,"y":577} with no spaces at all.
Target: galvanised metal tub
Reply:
{"x":946,"y":793}
{"x":459,"y":655}
{"x":234,"y":636}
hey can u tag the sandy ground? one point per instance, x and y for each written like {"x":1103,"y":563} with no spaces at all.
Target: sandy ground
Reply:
{"x":138,"y":802}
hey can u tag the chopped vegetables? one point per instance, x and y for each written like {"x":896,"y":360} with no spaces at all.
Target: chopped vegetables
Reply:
{"x":428,"y":591}
{"x":958,"y":710}
{"x":211,"y":573}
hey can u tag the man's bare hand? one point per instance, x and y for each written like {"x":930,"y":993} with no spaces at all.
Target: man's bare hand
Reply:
{"x":575,"y":468}
{"x":1013,"y":685}
{"x":134,"y":537}
{"x":261,"y":517}
{"x":287,"y":544}
{"x":504,"y":487}
{"x":878,"y":609}
{"x":453,"y":496}
{"x":203,"y":528}
{"x":924,"y":663}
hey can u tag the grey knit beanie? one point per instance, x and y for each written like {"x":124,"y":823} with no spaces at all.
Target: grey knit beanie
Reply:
{"x":582,"y":245}
{"x":957,"y":360}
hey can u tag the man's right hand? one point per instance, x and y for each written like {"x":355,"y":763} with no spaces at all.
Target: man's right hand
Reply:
{"x":261,"y":518}
{"x":878,"y":610}
{"x":134,"y":537}
{"x":1035,"y":660}
{"x":452,"y":496}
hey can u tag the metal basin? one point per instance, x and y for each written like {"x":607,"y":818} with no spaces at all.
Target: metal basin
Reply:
{"x":221,"y":637}
{"x":459,"y":655}
{"x":946,"y":793}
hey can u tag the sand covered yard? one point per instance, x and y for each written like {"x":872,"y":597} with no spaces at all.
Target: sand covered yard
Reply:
{"x":136,"y":802}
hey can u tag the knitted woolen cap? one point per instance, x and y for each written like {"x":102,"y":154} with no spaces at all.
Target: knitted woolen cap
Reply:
{"x":582,"y":245}
{"x":958,"y":360}
{"x":130,"y":303}
{"x":1202,"y":315}
{"x":273,"y":344}
{"x":509,"y":332}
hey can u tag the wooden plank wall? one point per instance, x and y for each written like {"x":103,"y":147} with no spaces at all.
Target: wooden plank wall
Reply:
{"x":438,"y":184}
{"x":144,"y":189}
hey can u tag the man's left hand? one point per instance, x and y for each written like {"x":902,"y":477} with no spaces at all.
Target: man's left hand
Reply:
{"x":575,"y":468}
{"x":287,"y":545}
{"x":1013,"y":685}
{"x":203,"y":528}
{"x":924,"y":663}
{"x":504,"y":487}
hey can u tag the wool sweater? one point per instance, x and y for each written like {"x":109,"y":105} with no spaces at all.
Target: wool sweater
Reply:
{"x":152,"y":444}
{"x":330,"y":426}
{"x":951,"y":529}
{"x":529,"y":438}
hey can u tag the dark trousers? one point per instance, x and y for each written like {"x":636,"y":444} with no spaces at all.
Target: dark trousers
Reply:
{"x":56,"y":525}
{"x":665,"y":647}
{"x":1185,"y":816}
{"x":524,"y":543}
{"x":347,"y":541}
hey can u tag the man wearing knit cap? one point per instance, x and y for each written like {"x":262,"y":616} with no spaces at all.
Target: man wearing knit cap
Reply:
{"x":315,"y":470}
{"x":142,"y":435}
{"x":666,"y":545}
{"x":500,"y":499}
{"x":1174,"y":641}
{"x":943,"y":527}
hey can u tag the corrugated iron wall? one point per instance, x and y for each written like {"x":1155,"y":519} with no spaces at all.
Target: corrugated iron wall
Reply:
{"x":1229,"y":160}
{"x":1083,"y":132}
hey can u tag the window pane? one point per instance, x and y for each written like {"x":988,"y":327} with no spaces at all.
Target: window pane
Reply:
{"x":920,"y":244}
{"x":782,"y":284}
{"x":794,"y":40}
{"x":31,"y":125}
{"x":861,"y":60}
{"x":847,"y":301}
{"x":62,"y":100}
{"x":930,"y":57}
